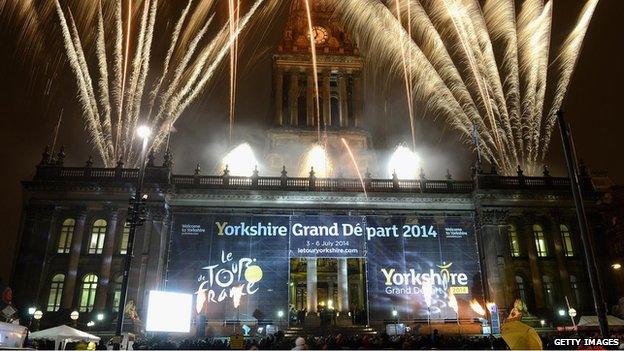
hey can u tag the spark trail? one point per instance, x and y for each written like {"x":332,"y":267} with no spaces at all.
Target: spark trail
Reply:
{"x":314,"y":69}
{"x":355,"y":166}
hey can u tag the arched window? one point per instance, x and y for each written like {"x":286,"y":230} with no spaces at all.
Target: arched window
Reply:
{"x":87,"y":293}
{"x":65,"y":236}
{"x":520,"y":285}
{"x":540,"y":241}
{"x":117,"y":292}
{"x":514,"y":243}
{"x":125,"y":234}
{"x":98,"y":233}
{"x":549,"y":293}
{"x":566,"y":240}
{"x":56,"y":291}
{"x":576,"y":291}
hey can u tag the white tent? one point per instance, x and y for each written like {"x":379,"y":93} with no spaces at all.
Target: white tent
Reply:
{"x":63,"y":334}
{"x":592,"y":321}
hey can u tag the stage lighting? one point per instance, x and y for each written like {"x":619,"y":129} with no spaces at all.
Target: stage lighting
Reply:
{"x":240,"y":161}
{"x":169,"y":312}
{"x":404,"y":162}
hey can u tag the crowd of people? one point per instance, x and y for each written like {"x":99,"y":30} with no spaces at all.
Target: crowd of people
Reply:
{"x":382,"y":341}
{"x":330,"y":342}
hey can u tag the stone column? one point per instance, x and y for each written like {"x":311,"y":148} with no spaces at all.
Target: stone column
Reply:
{"x":310,"y":99}
{"x":508,"y":268}
{"x":564,"y":275}
{"x":357,"y":100}
{"x":343,"y":285}
{"x":107,"y":259}
{"x":326,"y":98}
{"x":69,"y":287}
{"x":330,"y":293}
{"x":292,"y":97}
{"x":312,"y":300}
{"x":536,"y":276}
{"x":344,"y":106}
{"x":279,"y":89}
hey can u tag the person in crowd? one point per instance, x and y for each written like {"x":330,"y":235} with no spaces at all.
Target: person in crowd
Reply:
{"x":300,"y":344}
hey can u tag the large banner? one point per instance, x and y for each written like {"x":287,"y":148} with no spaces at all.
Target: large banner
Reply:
{"x":233,"y":264}
{"x":238,"y":265}
{"x":420,"y":265}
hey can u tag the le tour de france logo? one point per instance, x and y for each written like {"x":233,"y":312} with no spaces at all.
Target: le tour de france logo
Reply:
{"x":411,"y":281}
{"x":232,"y":278}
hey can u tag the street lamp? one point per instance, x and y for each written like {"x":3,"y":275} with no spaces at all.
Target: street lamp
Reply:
{"x":74,"y":317}
{"x":616,"y":266}
{"x":395,"y":314}
{"x":561,"y":312}
{"x":37,"y":316}
{"x":100,"y":316}
{"x":31,"y":310}
{"x":134,"y":221}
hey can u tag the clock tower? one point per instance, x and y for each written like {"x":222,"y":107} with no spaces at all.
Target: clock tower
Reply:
{"x":295,"y":120}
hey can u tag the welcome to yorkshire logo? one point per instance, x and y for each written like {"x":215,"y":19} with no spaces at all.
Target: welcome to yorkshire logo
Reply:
{"x":411,"y":281}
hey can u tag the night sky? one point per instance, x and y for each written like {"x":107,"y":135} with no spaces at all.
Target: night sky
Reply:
{"x":30,"y":111}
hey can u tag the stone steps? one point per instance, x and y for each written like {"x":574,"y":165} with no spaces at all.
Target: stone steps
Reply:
{"x":295,"y":331}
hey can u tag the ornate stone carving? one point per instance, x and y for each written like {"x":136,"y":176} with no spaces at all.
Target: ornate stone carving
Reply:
{"x":492,"y":217}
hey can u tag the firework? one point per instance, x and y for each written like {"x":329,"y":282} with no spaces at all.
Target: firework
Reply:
{"x":501,"y":99}
{"x":353,"y":161}
{"x":113,"y":105}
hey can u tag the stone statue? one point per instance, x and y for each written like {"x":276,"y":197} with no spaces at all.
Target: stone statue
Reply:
{"x":518,"y":311}
{"x":131,"y":312}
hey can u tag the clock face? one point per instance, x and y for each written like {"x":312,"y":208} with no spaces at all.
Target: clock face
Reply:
{"x":320,"y":35}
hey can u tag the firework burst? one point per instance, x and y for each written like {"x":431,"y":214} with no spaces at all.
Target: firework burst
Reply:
{"x":446,"y":49}
{"x":114,"y":105}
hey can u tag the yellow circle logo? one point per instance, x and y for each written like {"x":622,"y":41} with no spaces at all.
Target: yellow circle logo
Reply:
{"x":253,"y":274}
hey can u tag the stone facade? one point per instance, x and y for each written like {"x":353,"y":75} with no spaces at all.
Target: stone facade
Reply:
{"x":541,"y":264}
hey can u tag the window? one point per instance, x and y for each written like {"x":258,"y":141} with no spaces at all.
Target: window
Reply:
{"x":549,"y":294}
{"x":576,"y":292}
{"x":521,"y":288}
{"x":514,"y":244}
{"x":540,"y":241}
{"x":117,"y":292}
{"x":125,"y":234}
{"x":65,"y":237}
{"x":566,"y":240}
{"x":98,"y":233}
{"x":87,"y":293}
{"x":56,"y":291}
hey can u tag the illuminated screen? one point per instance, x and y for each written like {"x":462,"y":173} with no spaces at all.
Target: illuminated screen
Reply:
{"x":169,"y":312}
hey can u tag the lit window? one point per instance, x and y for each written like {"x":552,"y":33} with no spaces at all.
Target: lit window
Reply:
{"x":540,"y":241}
{"x":117,"y":292}
{"x":566,"y":240}
{"x":87,"y":293}
{"x":549,"y":294}
{"x":56,"y":291}
{"x":65,"y":237}
{"x":521,"y":288}
{"x":98,"y":233}
{"x":125,"y":234}
{"x":514,"y":243}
